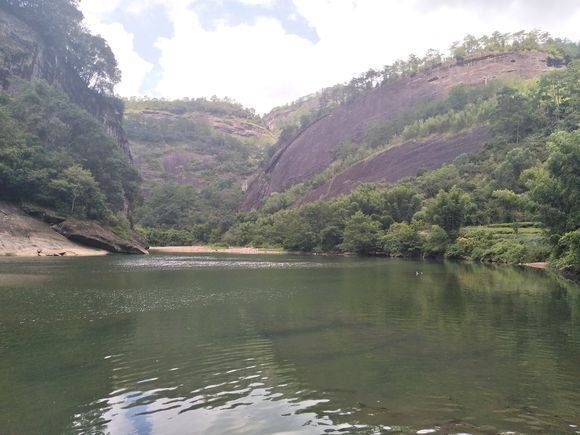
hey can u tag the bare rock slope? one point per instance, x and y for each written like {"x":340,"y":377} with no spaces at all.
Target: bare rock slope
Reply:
{"x":312,"y":150}
{"x":24,"y":235}
{"x":402,"y":161}
{"x":34,"y":233}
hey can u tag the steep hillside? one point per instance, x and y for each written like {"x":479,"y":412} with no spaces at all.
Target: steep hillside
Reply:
{"x":403,"y":160}
{"x":62,"y":143}
{"x":28,"y":54}
{"x":204,"y":149}
{"x":512,"y":197}
{"x":313,"y":149}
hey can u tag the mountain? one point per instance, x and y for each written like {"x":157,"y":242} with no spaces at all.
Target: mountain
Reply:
{"x":473,"y":156}
{"x":313,"y":150}
{"x":196,"y":155}
{"x":401,"y":161}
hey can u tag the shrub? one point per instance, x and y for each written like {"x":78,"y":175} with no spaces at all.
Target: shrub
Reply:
{"x":568,"y":251}
{"x":361,"y":234}
{"x":402,"y":240}
{"x":436,"y":242}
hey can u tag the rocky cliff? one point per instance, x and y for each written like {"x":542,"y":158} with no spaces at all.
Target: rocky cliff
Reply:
{"x":403,"y":160}
{"x":24,"y":54}
{"x":312,"y":150}
{"x":195,"y":143}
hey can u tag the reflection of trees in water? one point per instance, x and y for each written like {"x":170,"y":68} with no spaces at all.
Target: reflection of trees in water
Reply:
{"x":457,"y":339}
{"x":378,"y":343}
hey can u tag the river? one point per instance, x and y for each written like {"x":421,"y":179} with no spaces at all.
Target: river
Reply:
{"x":215,"y":344}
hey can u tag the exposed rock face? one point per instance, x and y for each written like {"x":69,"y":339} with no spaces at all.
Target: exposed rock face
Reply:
{"x":93,"y":235}
{"x":401,"y":161}
{"x":24,"y":54}
{"x":280,"y":117}
{"x":188,"y":155}
{"x":236,"y":126}
{"x":25,"y":234}
{"x":312,"y":150}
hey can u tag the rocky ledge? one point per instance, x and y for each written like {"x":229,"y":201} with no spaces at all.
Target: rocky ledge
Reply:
{"x":94,"y":235}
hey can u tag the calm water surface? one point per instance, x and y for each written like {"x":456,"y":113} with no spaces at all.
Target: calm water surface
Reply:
{"x":274,"y":344}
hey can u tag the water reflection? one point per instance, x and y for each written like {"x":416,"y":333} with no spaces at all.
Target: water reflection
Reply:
{"x":227,"y":344}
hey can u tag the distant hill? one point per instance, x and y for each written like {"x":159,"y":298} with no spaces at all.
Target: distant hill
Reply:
{"x":315,"y":147}
{"x":204,"y":149}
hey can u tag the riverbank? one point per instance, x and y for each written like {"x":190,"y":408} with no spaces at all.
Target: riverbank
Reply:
{"x":537,"y":265}
{"x":24,"y":236}
{"x":206,"y":249}
{"x":37,"y":251}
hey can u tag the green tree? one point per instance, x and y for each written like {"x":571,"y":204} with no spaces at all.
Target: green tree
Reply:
{"x":330,"y":238}
{"x":361,"y":234}
{"x":449,"y":210}
{"x":512,"y":117}
{"x":506,"y":204}
{"x":436,"y":242}
{"x":567,"y":253}
{"x":402,"y":240}
{"x":554,"y":189}
{"x":77,"y":188}
{"x":507,"y":174}
{"x":400,"y":202}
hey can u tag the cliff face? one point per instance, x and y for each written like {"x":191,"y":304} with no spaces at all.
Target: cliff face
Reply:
{"x":23,"y":54}
{"x":312,"y":150}
{"x":187,"y":145}
{"x":402,"y":161}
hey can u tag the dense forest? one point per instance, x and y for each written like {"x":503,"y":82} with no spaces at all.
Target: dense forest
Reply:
{"x":54,"y":149}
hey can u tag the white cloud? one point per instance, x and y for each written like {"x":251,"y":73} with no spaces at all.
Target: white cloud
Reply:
{"x":255,"y":64}
{"x":133,"y":66}
{"x":268,"y":3}
{"x":261,"y":65}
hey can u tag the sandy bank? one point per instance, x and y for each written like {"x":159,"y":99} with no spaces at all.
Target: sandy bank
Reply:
{"x":200,"y":249}
{"x":539,"y":265}
{"x":24,"y":236}
{"x":36,"y":251}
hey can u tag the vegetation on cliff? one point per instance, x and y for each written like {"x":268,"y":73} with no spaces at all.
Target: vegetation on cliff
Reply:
{"x":54,"y":153}
{"x":61,"y":141}
{"x":194,"y":156}
{"x":59,"y":22}
{"x":293,"y":117}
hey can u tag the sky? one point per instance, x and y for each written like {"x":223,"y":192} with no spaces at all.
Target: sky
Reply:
{"x":266,"y":53}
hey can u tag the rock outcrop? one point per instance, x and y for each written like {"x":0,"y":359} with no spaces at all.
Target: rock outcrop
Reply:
{"x":400,"y":161}
{"x":90,"y":233}
{"x":33,"y":231}
{"x":312,"y":150}
{"x":23,"y":234}
{"x":24,"y":54}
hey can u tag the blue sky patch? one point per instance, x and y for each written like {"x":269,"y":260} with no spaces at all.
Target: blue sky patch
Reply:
{"x":236,"y":12}
{"x":147,"y":26}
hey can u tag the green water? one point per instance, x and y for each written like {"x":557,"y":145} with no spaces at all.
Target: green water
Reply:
{"x":276,"y":344}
